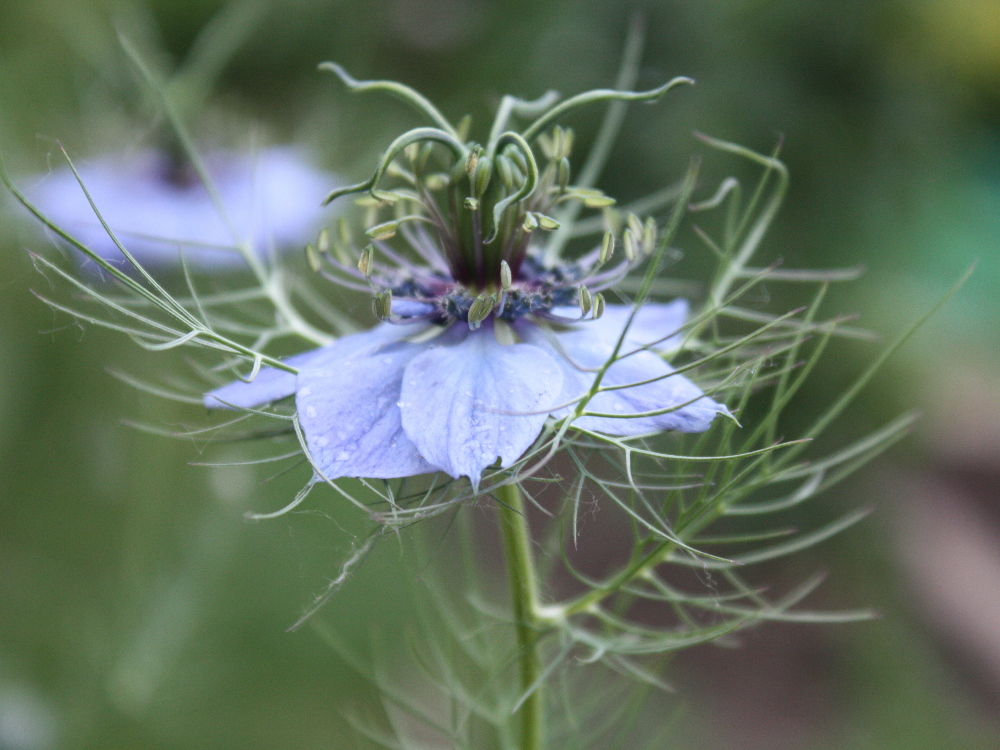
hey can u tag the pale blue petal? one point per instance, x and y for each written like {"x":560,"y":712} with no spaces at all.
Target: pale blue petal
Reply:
{"x":656,"y":325}
{"x":467,"y":404}
{"x":410,"y":308}
{"x":270,"y":197}
{"x":667,"y":391}
{"x":350,"y":415}
{"x":272,"y":384}
{"x":581,"y":352}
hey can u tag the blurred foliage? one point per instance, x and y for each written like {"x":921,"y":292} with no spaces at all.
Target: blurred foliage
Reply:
{"x":139,"y":611}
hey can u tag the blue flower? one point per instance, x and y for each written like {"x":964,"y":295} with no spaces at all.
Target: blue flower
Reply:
{"x":487,"y":330}
{"x":156,"y":206}
{"x":389,"y":402}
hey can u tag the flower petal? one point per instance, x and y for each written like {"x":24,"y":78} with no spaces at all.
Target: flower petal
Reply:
{"x":272,"y":384}
{"x":656,"y":325}
{"x":668,"y":391}
{"x":580,"y":352}
{"x":467,"y":404}
{"x":270,"y":196}
{"x":351,"y":418}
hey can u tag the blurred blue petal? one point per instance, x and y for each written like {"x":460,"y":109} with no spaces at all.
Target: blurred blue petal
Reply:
{"x":271,"y":198}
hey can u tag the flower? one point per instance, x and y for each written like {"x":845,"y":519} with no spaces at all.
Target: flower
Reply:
{"x":157,"y":205}
{"x":487,"y":331}
{"x":384,"y":403}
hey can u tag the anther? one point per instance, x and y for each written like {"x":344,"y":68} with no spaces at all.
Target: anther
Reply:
{"x":584,"y":300}
{"x":365,"y":261}
{"x":506,"y":277}
{"x":382,"y":304}
{"x":598,"y":305}
{"x":649,"y":236}
{"x":631,"y":249}
{"x":383,"y":231}
{"x":607,"y":247}
{"x":481,"y":308}
{"x":313,"y":257}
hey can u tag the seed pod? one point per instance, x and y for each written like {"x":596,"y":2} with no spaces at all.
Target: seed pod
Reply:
{"x":607,"y":247}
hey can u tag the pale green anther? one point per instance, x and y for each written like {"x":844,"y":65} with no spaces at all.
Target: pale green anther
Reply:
{"x":584,"y":299}
{"x":630,"y":244}
{"x":545,"y":142}
{"x":412,"y":152}
{"x":635,"y":224}
{"x":558,"y":136}
{"x":389,"y":197}
{"x":612,"y":220}
{"x":481,"y":308}
{"x":547,"y":222}
{"x":598,"y":201}
{"x":562,"y":173}
{"x":506,"y":278}
{"x":436,"y":181}
{"x":649,"y":236}
{"x":382,"y":304}
{"x":530,"y":222}
{"x":567,"y":143}
{"x":473,"y":161}
{"x":368,"y":201}
{"x":463,"y":128}
{"x":607,"y":247}
{"x":482,"y":179}
{"x":383,"y":231}
{"x":472,"y":203}
{"x":323,"y":241}
{"x":315,"y":262}
{"x":598,"y":305}
{"x":505,"y":170}
{"x":344,"y":231}
{"x":365,"y":261}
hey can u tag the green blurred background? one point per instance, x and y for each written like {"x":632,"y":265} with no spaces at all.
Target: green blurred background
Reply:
{"x":137,"y":609}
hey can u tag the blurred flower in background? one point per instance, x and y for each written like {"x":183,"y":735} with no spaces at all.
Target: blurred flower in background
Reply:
{"x":158,"y":206}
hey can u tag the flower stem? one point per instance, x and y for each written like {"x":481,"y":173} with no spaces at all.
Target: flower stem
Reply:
{"x":523,"y":594}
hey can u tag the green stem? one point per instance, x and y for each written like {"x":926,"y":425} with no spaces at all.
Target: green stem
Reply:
{"x":523,"y":594}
